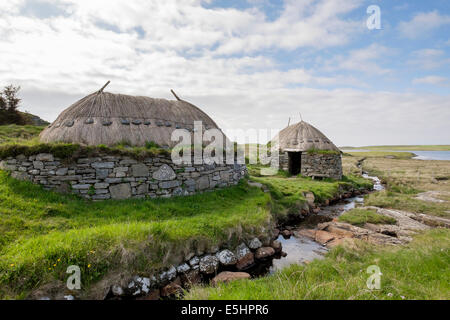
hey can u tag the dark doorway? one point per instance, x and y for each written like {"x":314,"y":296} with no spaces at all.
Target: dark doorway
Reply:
{"x":295,"y":162}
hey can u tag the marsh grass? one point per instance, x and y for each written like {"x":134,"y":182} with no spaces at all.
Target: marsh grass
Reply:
{"x":360,"y":217}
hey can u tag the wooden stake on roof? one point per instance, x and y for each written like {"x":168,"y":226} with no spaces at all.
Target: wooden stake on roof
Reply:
{"x":289,"y":122}
{"x":103,"y":88}
{"x":175,"y":95}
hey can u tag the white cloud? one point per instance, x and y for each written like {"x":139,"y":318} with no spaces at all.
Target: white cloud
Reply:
{"x":363,"y":60}
{"x":429,"y":58}
{"x":433,"y":80}
{"x":422,"y":24}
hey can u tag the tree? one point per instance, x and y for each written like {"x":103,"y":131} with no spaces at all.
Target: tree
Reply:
{"x":9,"y":102}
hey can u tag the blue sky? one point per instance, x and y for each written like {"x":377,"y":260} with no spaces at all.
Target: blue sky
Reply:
{"x":248,"y":64}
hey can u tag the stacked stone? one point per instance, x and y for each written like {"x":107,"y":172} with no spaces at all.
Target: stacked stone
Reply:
{"x":116,"y":177}
{"x":322,"y":165}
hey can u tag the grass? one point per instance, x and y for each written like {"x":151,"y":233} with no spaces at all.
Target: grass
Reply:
{"x":288,"y":192}
{"x":359,"y":217}
{"x":404,"y":148}
{"x":18,"y":134}
{"x":44,"y":232}
{"x":405,"y":179}
{"x":382,"y":154}
{"x":420,"y":270}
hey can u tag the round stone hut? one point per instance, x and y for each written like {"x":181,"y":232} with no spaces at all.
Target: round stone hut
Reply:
{"x":307,"y":151}
{"x":109,"y":119}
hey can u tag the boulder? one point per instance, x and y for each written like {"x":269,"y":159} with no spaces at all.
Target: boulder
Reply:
{"x":203,"y":183}
{"x":277,"y":246}
{"x":286,"y":234}
{"x":255,"y":244}
{"x":45,"y":157}
{"x":308,"y":233}
{"x":172,"y":289}
{"x":120,"y":191}
{"x":227,"y":276}
{"x":191,"y":278}
{"x":164,"y":173}
{"x":183,"y":268}
{"x":209,"y":264}
{"x":226,"y":257}
{"x":245,"y":257}
{"x":264,"y":252}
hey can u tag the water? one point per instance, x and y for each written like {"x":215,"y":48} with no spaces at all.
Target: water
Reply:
{"x":420,"y":155}
{"x":301,"y":249}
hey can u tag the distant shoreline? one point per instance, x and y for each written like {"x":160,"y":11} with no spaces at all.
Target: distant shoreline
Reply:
{"x":401,"y":148}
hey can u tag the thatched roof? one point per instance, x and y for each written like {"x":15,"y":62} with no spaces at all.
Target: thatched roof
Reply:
{"x":109,"y":119}
{"x":302,"y":137}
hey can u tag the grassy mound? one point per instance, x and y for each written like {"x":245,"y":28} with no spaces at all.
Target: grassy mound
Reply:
{"x":360,"y":217}
{"x":18,"y":134}
{"x":43,"y":232}
{"x":420,"y":270}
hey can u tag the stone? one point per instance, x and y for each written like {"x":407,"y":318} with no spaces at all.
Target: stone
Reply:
{"x":101,"y":185}
{"x":255,"y":244}
{"x":264,"y":252}
{"x":323,"y":237}
{"x":171,"y":273}
{"x":139,"y":170}
{"x":169,"y":184}
{"x":310,"y":198}
{"x":277,"y":246}
{"x":172,"y":289}
{"x":103,"y":165}
{"x":244,"y":256}
{"x":308,"y":233}
{"x":226,"y":257}
{"x":117,"y":290}
{"x":203,"y":183}
{"x":164,"y":173}
{"x":21,"y":176}
{"x":102,"y":173}
{"x":194,"y":261}
{"x":209,"y":264}
{"x":38,"y":165}
{"x":227,"y":276}
{"x":191,"y":278}
{"x":45,"y":157}
{"x":81,"y":186}
{"x":183,"y":268}
{"x":142,"y":189}
{"x":61,"y":171}
{"x":286,"y":234}
{"x":120,"y":191}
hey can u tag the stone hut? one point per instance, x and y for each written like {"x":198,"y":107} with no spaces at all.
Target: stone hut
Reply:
{"x":307,"y":151}
{"x":108,"y":119}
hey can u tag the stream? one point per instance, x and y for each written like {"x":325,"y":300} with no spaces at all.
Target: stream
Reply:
{"x":300,"y":249}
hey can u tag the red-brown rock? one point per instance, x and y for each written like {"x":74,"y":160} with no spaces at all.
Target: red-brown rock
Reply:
{"x":246,"y":261}
{"x":191,"y":278}
{"x":172,"y":289}
{"x":264,"y":252}
{"x":323,"y":237}
{"x":227,"y":276}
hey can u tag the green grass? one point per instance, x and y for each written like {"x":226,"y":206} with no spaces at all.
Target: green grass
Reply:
{"x":18,"y":134}
{"x":404,"y":148}
{"x":360,"y":217}
{"x":420,"y":270}
{"x":381,"y":154}
{"x":288,"y":192}
{"x":40,"y":227}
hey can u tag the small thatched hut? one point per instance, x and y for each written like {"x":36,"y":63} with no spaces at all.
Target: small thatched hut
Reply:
{"x":109,"y":119}
{"x":307,"y":151}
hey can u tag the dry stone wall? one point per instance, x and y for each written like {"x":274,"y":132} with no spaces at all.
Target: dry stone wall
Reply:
{"x":116,"y":177}
{"x":321,"y":165}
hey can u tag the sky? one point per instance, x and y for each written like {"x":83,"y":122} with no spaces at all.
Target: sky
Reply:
{"x":247,"y":64}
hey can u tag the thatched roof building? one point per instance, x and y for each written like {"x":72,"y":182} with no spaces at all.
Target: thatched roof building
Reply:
{"x":109,"y":119}
{"x":301,"y":137}
{"x":307,"y":151}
